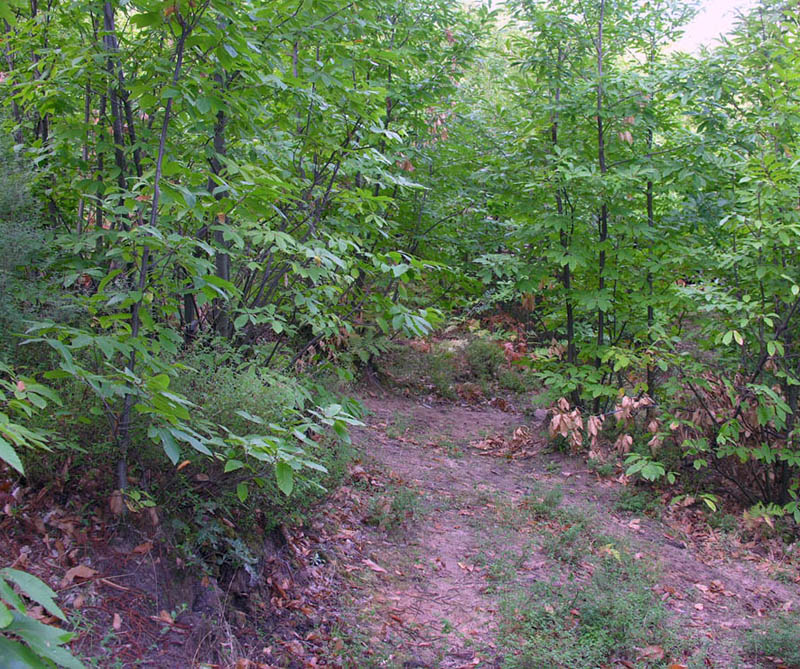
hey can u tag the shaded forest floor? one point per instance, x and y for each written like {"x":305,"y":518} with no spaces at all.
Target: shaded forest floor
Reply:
{"x":459,"y":538}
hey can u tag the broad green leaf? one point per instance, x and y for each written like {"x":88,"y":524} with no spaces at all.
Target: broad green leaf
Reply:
{"x":36,"y":589}
{"x":285,"y":477}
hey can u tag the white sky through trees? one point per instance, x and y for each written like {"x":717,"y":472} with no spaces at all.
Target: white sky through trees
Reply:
{"x":715,"y":17}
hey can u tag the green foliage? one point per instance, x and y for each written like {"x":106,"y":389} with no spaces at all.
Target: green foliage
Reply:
{"x":725,"y":522}
{"x":638,"y":501}
{"x":185,"y":204}
{"x":776,"y":638}
{"x":484,"y":358}
{"x":443,"y":372}
{"x":570,"y":545}
{"x":17,"y":204}
{"x":585,"y":624}
{"x":25,"y":642}
{"x":394,"y":508}
{"x":602,"y":468}
{"x":544,"y":506}
{"x":514,"y":380}
{"x":21,"y":398}
{"x":20,"y":247}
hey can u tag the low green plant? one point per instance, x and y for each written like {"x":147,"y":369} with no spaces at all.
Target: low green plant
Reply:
{"x":484,"y":358}
{"x":586,"y":623}
{"x":725,"y":522}
{"x":503,"y":569}
{"x":638,"y":500}
{"x":451,"y":447}
{"x":776,"y":638}
{"x":513,"y":380}
{"x":601,"y":467}
{"x":21,"y":398}
{"x":443,"y":373}
{"x":570,"y":545}
{"x":398,"y":426}
{"x":394,"y":508}
{"x":209,"y":545}
{"x":543,"y":505}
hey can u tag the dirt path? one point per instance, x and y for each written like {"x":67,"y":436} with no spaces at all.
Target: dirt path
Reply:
{"x":491,"y":528}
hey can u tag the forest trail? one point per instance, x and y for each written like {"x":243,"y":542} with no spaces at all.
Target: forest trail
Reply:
{"x":485,"y":533}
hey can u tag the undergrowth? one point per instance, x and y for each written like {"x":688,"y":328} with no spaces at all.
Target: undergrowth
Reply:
{"x":777,"y":638}
{"x":586,"y":620}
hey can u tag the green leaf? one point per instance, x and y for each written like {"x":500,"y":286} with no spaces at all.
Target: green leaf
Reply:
{"x":8,"y":595}
{"x":146,"y":20}
{"x":242,"y":492}
{"x":45,"y":640}
{"x":233,"y":465}
{"x":6,"y":13}
{"x":17,"y":656}
{"x":36,"y":589}
{"x":171,"y":448}
{"x":5,"y":616}
{"x":285,"y":477}
{"x":250,"y":417}
{"x":9,"y":455}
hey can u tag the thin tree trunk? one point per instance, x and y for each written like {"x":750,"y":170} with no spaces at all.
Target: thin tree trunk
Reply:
{"x":87,"y":109}
{"x":601,"y":159}
{"x":602,"y":219}
{"x":651,"y":373}
{"x":123,"y":430}
{"x":222,"y":260}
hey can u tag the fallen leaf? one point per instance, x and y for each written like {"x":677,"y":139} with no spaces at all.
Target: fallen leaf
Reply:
{"x":117,"y":624}
{"x":78,"y":602}
{"x":115,"y":503}
{"x":146,"y":547}
{"x":80,"y":572}
{"x":375,"y":567}
{"x":182,"y":465}
{"x":652,"y":653}
{"x":678,"y":666}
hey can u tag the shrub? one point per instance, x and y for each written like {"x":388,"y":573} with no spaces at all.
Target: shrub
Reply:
{"x":484,"y":358}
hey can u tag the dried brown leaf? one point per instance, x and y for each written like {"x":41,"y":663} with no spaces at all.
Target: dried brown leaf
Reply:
{"x":374,"y":566}
{"x":81,"y":572}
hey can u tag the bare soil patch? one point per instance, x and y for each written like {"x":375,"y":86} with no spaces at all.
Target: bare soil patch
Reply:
{"x":434,"y":605}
